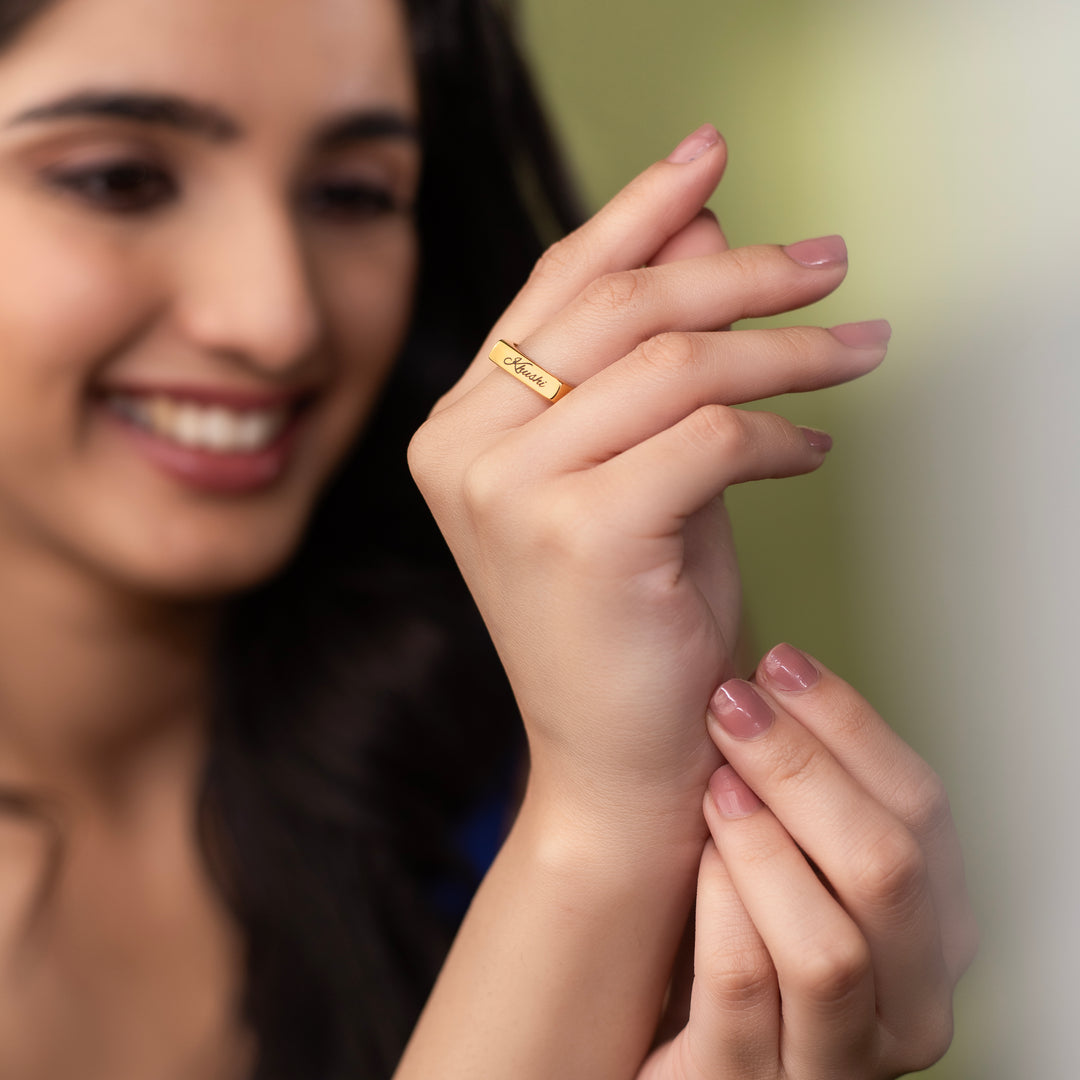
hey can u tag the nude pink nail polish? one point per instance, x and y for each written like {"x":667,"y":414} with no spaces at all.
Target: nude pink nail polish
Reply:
{"x":740,"y":710}
{"x":694,"y":145}
{"x":731,"y":795}
{"x":871,"y":334}
{"x":788,"y":669}
{"x":818,"y":440}
{"x":818,"y":253}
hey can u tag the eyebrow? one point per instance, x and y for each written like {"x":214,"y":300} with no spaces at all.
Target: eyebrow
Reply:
{"x":197,"y":118}
{"x":366,"y":125}
{"x":144,"y":108}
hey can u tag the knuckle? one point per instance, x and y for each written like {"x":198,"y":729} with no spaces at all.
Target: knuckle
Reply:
{"x":665,"y":355}
{"x":851,"y":717}
{"x":739,"y":977}
{"x":892,"y":873}
{"x":621,"y":293}
{"x":557,"y":261}
{"x":716,"y":428}
{"x":801,"y":347}
{"x":796,"y":762}
{"x":423,"y":455}
{"x":744,"y":266}
{"x":931,"y":1038}
{"x":482,"y":486}
{"x":831,"y":970}
{"x":923,"y":803}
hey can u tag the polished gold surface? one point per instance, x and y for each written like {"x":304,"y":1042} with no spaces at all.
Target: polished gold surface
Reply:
{"x":507,"y":357}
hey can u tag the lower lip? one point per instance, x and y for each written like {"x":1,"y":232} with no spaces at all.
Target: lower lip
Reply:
{"x":206,"y":470}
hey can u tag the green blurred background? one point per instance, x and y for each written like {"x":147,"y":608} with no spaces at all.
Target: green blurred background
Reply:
{"x":932,"y":561}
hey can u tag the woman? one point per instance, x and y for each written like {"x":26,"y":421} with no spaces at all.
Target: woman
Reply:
{"x":227,"y":830}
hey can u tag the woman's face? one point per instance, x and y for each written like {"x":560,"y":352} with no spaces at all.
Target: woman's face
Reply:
{"x":206,"y":270}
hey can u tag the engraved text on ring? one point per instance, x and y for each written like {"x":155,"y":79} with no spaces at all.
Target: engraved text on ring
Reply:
{"x":526,"y":369}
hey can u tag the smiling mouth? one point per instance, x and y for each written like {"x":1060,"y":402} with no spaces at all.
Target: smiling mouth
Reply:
{"x":210,"y":427}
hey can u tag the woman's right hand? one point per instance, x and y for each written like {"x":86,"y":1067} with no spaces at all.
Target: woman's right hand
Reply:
{"x":591,"y":532}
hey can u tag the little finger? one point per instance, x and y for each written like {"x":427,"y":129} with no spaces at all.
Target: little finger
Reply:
{"x":676,"y":472}
{"x":734,"y":1024}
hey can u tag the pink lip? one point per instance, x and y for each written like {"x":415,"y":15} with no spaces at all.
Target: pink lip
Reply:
{"x":212,"y":471}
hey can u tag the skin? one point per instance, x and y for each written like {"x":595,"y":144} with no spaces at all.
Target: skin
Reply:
{"x":229,"y":268}
{"x":601,"y":518}
{"x":123,"y":964}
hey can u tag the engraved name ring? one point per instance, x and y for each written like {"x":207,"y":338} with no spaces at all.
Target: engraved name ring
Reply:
{"x":510,"y":359}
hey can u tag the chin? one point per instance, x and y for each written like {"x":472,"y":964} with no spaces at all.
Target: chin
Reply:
{"x":201,"y":560}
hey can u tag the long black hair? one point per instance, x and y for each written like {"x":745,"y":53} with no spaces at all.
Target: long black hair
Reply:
{"x":359,"y":707}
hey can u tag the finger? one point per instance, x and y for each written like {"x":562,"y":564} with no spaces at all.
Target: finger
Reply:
{"x":627,"y":232}
{"x":823,"y":964}
{"x":668,"y":377}
{"x":734,"y":1024}
{"x":678,"y":471}
{"x":890,"y":770}
{"x":617,"y":312}
{"x":873,"y":862}
{"x":703,"y":236}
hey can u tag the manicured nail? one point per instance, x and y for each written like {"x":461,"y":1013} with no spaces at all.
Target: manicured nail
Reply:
{"x":788,"y":669}
{"x":863,"y":335}
{"x":818,"y":440}
{"x":740,"y":710}
{"x":731,"y":795}
{"x":818,"y":253}
{"x":694,"y":145}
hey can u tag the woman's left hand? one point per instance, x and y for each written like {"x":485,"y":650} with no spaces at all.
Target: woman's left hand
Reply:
{"x":832,"y":919}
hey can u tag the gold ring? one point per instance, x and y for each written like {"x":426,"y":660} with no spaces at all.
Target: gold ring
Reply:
{"x":511,"y":359}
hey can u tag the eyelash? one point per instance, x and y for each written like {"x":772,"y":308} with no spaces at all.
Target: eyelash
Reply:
{"x":130,"y":187}
{"x":142,"y":187}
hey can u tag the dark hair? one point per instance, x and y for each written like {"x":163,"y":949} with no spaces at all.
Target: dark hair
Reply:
{"x":360,"y":709}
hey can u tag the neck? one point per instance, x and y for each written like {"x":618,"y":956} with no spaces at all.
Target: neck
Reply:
{"x":103,"y":694}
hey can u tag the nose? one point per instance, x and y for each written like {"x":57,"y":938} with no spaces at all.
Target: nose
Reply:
{"x":246,"y":289}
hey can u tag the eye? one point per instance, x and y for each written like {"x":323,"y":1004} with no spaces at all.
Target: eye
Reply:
{"x":349,"y":200}
{"x":122,"y":187}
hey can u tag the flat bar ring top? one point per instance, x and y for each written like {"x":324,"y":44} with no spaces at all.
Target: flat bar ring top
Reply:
{"x":510,"y":359}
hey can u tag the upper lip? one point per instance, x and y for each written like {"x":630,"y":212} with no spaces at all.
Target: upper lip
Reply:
{"x":229,"y":397}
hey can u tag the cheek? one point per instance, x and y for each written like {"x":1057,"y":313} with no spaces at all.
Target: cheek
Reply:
{"x":68,"y":302}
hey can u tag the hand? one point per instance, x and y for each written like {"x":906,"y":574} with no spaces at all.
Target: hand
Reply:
{"x":590,"y":532}
{"x":842,"y":897}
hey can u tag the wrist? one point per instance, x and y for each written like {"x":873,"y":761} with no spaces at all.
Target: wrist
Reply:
{"x":582,"y":831}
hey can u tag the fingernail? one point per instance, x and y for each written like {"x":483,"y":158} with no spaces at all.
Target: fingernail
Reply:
{"x":731,"y":795}
{"x":694,"y":145}
{"x":818,"y":440}
{"x":818,"y":253}
{"x":788,"y":669}
{"x":863,"y":335}
{"x":740,"y":710}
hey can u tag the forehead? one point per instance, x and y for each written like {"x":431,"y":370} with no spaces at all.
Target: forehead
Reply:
{"x":280,"y":59}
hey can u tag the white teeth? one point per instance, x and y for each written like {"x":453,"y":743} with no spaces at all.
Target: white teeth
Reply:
{"x":203,"y":427}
